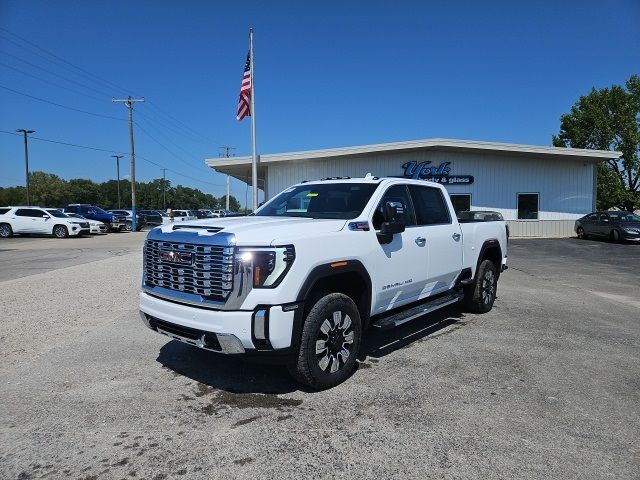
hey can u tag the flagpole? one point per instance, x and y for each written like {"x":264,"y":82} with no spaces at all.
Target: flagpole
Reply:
{"x":254,"y":156}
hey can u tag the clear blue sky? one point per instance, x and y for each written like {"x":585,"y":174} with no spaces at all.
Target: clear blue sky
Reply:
{"x":328,"y":74}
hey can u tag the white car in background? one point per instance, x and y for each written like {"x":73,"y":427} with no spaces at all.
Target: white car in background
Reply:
{"x":183,"y":215}
{"x":41,"y":221}
{"x":94,"y":225}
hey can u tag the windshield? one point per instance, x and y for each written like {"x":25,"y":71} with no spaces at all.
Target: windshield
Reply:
{"x":57,"y":214}
{"x":330,"y":200}
{"x":624,"y":217}
{"x":98,"y":210}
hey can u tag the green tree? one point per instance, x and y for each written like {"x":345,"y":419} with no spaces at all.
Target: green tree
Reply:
{"x":609,"y":119}
{"x":47,"y":189}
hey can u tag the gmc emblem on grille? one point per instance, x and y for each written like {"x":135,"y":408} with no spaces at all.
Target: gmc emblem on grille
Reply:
{"x":170,"y":256}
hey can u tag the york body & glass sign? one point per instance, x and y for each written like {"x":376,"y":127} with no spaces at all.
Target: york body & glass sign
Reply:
{"x":439,"y":174}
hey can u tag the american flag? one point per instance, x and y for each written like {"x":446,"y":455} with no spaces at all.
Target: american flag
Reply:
{"x":244,"y":102}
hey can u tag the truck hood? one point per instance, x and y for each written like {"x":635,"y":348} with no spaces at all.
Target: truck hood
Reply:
{"x":260,"y":230}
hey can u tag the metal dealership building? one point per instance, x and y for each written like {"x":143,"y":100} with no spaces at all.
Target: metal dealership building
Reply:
{"x":539,"y":190}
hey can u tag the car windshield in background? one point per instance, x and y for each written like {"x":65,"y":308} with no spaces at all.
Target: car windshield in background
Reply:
{"x":57,"y":214}
{"x":330,"y":200}
{"x":625,"y":217}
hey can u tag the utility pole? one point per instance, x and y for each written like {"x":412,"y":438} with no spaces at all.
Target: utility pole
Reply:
{"x":227,"y":152}
{"x":118,"y":157}
{"x":164,"y":188}
{"x":129,"y":102}
{"x":26,"y":158}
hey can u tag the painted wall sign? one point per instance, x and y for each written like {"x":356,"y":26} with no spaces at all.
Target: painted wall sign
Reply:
{"x":438,"y":174}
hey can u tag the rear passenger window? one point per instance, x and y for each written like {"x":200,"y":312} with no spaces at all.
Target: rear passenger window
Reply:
{"x":4,"y":210}
{"x":429,"y":205}
{"x":28,"y":212}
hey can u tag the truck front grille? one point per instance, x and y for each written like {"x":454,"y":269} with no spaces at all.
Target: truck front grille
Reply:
{"x":196,"y":269}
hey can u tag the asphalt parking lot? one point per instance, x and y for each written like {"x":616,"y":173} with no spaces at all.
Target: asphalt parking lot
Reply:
{"x":546,"y":385}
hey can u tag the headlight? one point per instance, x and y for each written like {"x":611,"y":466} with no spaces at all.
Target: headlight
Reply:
{"x":268,"y":265}
{"x":630,"y":230}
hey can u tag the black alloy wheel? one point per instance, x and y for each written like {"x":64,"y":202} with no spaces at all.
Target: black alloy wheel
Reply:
{"x":329,"y":343}
{"x":481,"y":294}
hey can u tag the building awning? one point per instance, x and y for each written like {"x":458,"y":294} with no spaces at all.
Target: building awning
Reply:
{"x":240,"y":167}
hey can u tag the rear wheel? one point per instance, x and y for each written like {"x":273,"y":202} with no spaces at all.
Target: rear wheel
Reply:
{"x":60,"y":231}
{"x":329,"y":344}
{"x":480,"y":295}
{"x":5,"y":230}
{"x":127,"y":226}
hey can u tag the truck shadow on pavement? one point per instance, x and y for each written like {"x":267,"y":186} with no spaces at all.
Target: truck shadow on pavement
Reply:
{"x":243,"y":376}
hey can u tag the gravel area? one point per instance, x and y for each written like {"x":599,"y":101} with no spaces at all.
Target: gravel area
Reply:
{"x":546,"y":385}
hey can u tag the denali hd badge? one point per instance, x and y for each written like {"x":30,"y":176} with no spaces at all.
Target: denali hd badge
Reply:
{"x":170,"y":256}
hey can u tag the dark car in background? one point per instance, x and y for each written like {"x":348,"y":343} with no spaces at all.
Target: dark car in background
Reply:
{"x":152,"y":217}
{"x":113,"y":222}
{"x":128,"y":215}
{"x":614,"y":225}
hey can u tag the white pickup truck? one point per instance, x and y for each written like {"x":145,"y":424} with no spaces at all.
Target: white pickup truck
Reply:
{"x":306,"y":274}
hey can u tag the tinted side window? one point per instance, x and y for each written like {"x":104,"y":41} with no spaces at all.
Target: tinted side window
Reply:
{"x":29,"y":212}
{"x":4,"y":210}
{"x":396,"y":193}
{"x":593,"y":217}
{"x":429,"y":205}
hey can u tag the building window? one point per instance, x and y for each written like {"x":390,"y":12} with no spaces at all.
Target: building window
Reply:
{"x":461,"y":202}
{"x":528,"y":206}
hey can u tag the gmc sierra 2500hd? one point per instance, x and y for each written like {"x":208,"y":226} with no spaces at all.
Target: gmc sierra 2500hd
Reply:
{"x":313,"y":268}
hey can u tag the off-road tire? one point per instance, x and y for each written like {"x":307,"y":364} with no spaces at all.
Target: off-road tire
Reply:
{"x":480,"y":295}
{"x":60,"y":231}
{"x":5,"y":230}
{"x":306,"y":366}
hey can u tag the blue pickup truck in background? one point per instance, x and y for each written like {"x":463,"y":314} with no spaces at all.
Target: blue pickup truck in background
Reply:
{"x":113,"y":222}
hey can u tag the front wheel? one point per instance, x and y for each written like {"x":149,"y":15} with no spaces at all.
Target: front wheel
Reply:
{"x":581,"y":234}
{"x":480,"y":295}
{"x":615,"y":236}
{"x":329,"y":344}
{"x":60,"y":231}
{"x":127,"y":226}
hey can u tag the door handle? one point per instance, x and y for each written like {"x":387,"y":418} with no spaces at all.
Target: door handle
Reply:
{"x":456,"y":236}
{"x":421,"y":241}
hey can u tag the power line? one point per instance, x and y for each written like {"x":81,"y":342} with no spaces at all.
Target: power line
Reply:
{"x":50,"y":82}
{"x":64,"y":143}
{"x":22,"y":60}
{"x":184,"y":133}
{"x":84,"y":72}
{"x":151,"y":162}
{"x":205,"y":138}
{"x":165,"y":147}
{"x":91,"y":76}
{"x":60,"y":105}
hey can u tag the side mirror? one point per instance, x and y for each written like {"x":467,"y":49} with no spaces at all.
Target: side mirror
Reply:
{"x":606,"y":220}
{"x":394,"y":222}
